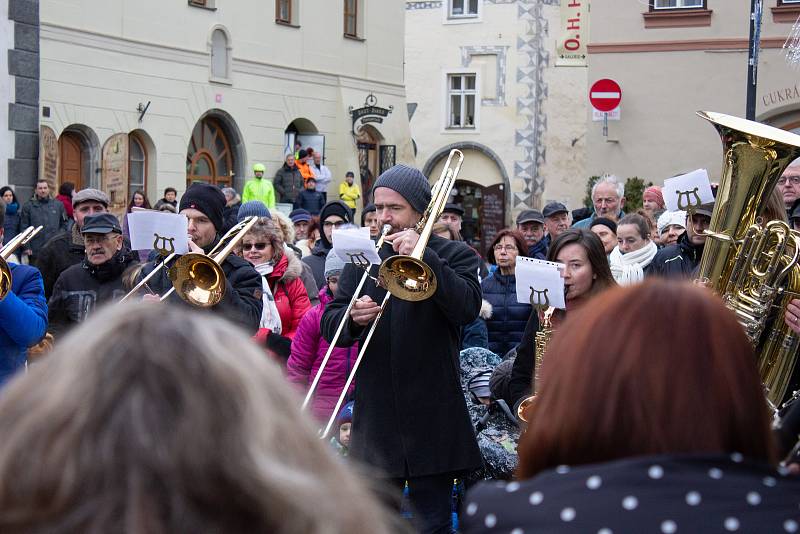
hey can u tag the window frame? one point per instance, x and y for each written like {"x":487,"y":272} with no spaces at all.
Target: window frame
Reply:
{"x":451,"y":15}
{"x":203,"y":4}
{"x":212,"y":77}
{"x":353,"y":16}
{"x":447,"y":127}
{"x":449,"y":18}
{"x":135,"y":139}
{"x":789,"y":2}
{"x":655,"y":9}
{"x":278,"y":19}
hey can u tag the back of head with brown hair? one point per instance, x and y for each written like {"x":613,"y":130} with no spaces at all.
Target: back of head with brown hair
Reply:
{"x":155,"y":419}
{"x":656,"y":368}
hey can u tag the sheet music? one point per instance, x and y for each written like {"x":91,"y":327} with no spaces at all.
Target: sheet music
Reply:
{"x":542,"y":279}
{"x":151,"y":229}
{"x":687,"y":191}
{"x":354,"y":245}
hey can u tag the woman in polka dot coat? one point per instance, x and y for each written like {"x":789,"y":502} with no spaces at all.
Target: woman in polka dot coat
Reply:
{"x":660,"y":428}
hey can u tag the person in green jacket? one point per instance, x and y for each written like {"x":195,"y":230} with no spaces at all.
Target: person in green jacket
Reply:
{"x":259,"y":188}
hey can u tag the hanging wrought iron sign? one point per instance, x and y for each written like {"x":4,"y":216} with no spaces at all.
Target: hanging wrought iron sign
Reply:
{"x":369,"y":113}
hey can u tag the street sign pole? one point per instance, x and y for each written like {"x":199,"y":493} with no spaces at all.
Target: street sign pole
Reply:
{"x":752,"y":58}
{"x":605,"y":124}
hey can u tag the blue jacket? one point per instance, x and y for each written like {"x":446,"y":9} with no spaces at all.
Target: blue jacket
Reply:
{"x":539,"y":250}
{"x":23,"y":318}
{"x":509,"y":317}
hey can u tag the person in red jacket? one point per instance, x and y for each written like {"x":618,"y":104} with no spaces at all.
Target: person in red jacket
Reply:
{"x":265,"y":251}
{"x":309,"y":348}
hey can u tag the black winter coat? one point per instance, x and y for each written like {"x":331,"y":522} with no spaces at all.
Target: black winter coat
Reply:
{"x":83,"y":287}
{"x":242,"y":301}
{"x":61,"y":252}
{"x":410,"y":419}
{"x":509,"y":317}
{"x":313,"y":201}
{"x":50,"y":214}
{"x":288,"y":183}
{"x":229,"y":215}
{"x":519,"y":385}
{"x":676,"y":261}
{"x":316,"y":260}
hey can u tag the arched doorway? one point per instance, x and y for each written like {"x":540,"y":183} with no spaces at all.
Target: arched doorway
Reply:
{"x":374,"y":157}
{"x":79,"y":156}
{"x":209,"y":157}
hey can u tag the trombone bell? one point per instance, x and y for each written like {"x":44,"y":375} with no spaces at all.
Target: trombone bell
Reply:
{"x":407,"y":278}
{"x":198,"y":279}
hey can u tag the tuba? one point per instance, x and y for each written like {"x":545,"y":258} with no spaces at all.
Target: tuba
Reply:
{"x":753,"y":266}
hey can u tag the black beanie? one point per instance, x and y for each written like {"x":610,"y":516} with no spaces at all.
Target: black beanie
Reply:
{"x":207,"y":199}
{"x":334,"y":207}
{"x":410,"y":183}
{"x":369,"y":208}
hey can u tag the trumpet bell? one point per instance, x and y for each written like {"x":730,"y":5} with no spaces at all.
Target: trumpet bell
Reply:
{"x":198,"y":280}
{"x":5,"y":279}
{"x":408,"y":278}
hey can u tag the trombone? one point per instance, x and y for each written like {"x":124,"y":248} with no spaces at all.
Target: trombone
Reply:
{"x":356,"y":293}
{"x":407,"y":277}
{"x":8,"y":249}
{"x":199,"y":278}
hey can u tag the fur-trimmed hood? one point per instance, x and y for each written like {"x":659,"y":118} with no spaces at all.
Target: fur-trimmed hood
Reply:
{"x":288,"y":268}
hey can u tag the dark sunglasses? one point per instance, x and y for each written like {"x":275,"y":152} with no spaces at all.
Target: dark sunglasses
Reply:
{"x":258,"y":246}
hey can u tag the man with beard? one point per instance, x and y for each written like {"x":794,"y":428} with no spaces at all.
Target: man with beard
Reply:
{"x":410,"y":420}
{"x":95,"y":280}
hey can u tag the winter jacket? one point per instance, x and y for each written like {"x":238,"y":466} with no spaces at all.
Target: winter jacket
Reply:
{"x":83,"y":287}
{"x":316,"y":260}
{"x":305,"y":170}
{"x":665,"y":493}
{"x":310,"y":200}
{"x":259,"y":189}
{"x":676,"y":261}
{"x":310,"y":284}
{"x":410,"y":419}
{"x":11,"y":224}
{"x":475,"y":334}
{"x":241,"y":303}
{"x":290,"y":294}
{"x":67,"y":201}
{"x":508,"y":319}
{"x":229,"y":215}
{"x":23,"y":318}
{"x":50,"y":214}
{"x":288,"y":183}
{"x":323,"y":176}
{"x":163,"y":201}
{"x":308,"y":351}
{"x":61,"y":252}
{"x":349,"y":194}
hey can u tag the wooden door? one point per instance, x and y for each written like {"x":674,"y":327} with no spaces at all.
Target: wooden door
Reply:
{"x":71,"y":160}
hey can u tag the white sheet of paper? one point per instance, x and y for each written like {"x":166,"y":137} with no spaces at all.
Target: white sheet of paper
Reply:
{"x":684,"y":191}
{"x":543,"y":278}
{"x":355,"y":242}
{"x":144,"y":225}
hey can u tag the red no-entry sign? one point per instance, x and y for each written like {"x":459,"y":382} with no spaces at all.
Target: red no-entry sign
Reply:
{"x":605,"y":95}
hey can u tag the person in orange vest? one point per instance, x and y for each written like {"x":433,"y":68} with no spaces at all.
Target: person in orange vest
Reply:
{"x":303,"y":166}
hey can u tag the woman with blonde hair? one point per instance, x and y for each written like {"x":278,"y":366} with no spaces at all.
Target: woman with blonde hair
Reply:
{"x":155,"y":419}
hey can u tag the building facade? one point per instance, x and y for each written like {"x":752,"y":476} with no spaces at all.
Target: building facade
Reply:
{"x":147,"y":95}
{"x":480,"y":77}
{"x":691,"y":55}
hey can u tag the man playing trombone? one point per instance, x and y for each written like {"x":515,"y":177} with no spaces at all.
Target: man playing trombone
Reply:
{"x":410,"y":419}
{"x":203,"y":204}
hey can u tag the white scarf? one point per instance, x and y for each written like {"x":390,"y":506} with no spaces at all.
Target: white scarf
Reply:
{"x":628,"y":268}
{"x":270,"y":318}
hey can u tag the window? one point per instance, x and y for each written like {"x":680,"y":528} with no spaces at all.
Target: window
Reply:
{"x":677,"y":4}
{"x":209,"y":157}
{"x":220,"y":60}
{"x":283,"y":11}
{"x":461,"y":100}
{"x":782,"y":2}
{"x":208,"y":4}
{"x":137,"y":166}
{"x":463,"y":8}
{"x":351,"y":18}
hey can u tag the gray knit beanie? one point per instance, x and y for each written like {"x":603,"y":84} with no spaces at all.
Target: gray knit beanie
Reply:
{"x":410,"y":183}
{"x":333,"y":265}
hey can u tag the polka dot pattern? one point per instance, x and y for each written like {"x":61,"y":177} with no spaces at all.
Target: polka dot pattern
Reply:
{"x":630,"y":502}
{"x":567,"y":514}
{"x":536,"y":498}
{"x":517,"y":531}
{"x":731,"y":524}
{"x":769,"y":482}
{"x":669,"y":526}
{"x":562,"y":469}
{"x":490,"y":520}
{"x":472,"y":508}
{"x":655,"y":472}
{"x":605,"y":531}
{"x":693,"y":498}
{"x":753,"y":498}
{"x":594,"y":482}
{"x":790,"y":525}
{"x":511,"y":487}
{"x":715,"y":473}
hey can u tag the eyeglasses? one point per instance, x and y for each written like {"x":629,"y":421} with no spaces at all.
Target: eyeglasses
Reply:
{"x":258,"y":246}
{"x":337,"y":224}
{"x":507,"y":248}
{"x":333,"y":279}
{"x":794,"y":180}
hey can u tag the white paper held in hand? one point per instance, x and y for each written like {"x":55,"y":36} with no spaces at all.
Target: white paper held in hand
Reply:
{"x":540,"y":282}
{"x":159,"y":230}
{"x":687,"y":191}
{"x":355,"y":246}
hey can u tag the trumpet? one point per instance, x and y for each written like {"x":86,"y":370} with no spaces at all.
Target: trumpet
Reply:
{"x":407,"y":277}
{"x":8,"y":249}
{"x":385,"y":230}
